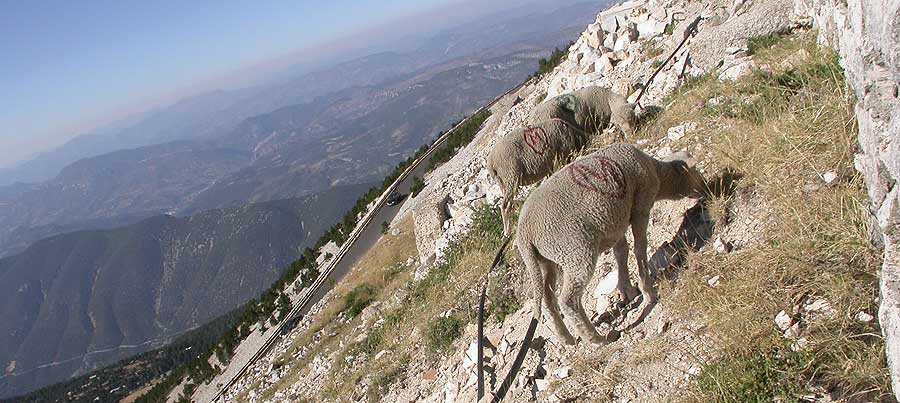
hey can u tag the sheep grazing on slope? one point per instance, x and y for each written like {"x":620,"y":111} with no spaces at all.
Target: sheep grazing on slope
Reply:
{"x":527,"y":155}
{"x":584,"y":209}
{"x":591,"y":109}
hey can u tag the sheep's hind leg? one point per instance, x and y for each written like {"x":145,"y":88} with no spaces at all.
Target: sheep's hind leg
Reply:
{"x":575,"y":278}
{"x":543,"y":275}
{"x":550,"y":274}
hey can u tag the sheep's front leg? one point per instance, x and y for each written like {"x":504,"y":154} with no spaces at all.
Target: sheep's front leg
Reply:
{"x":626,"y":290}
{"x":639,"y":224}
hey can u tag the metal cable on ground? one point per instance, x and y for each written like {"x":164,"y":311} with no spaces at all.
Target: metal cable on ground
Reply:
{"x":480,"y":333}
{"x":687,"y":34}
{"x":500,"y":393}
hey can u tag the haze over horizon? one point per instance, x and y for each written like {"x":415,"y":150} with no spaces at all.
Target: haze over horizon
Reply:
{"x":78,"y":67}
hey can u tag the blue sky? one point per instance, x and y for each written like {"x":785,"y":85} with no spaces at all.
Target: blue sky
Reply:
{"x":68,"y":65}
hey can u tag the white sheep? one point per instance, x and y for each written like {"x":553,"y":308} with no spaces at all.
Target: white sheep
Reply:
{"x":527,"y":155}
{"x":590,"y":108}
{"x":584,"y":209}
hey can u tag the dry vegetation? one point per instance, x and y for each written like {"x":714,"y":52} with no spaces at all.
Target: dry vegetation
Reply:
{"x":781,"y":129}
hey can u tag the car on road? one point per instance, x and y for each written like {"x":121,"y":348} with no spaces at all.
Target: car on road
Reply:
{"x":395,"y":198}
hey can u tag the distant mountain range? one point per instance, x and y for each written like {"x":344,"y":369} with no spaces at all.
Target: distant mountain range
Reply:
{"x":354,"y":133}
{"x":73,"y":302}
{"x":130,"y":236}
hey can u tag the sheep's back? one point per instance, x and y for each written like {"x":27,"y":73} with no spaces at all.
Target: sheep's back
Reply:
{"x":551,"y":109}
{"x":593,"y":112}
{"x":589,"y":201}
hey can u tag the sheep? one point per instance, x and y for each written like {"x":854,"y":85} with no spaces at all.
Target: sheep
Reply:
{"x":584,"y":209}
{"x":590,"y":108}
{"x":527,"y":155}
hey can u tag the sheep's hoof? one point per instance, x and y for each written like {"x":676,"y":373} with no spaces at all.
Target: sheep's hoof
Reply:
{"x":629,"y":296}
{"x":599,"y":341}
{"x":613,"y":336}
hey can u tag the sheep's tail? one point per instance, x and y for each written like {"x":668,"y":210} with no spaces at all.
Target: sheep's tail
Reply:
{"x":533,"y":264}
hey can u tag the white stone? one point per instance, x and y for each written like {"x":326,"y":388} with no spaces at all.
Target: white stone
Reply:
{"x":714,"y":280}
{"x":472,"y":351}
{"x":603,"y":64}
{"x":663,"y":151}
{"x":541,"y":384}
{"x":792,"y":332}
{"x":608,"y":23}
{"x":607,"y":284}
{"x":740,"y":68}
{"x":783,"y":320}
{"x":621,"y":43}
{"x":864,"y":317}
{"x":799,"y":344}
{"x":595,"y":38}
{"x":650,"y":28}
{"x":829,"y":177}
{"x":610,"y":40}
{"x":675,"y":133}
{"x":451,"y":390}
{"x":562,"y":372}
{"x":493,"y":194}
{"x":818,"y":308}
{"x":662,"y":326}
{"x":719,"y":246}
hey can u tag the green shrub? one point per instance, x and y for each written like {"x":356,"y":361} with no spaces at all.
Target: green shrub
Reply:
{"x":458,"y":138}
{"x":762,"y":42}
{"x":443,"y":331}
{"x":760,"y":378}
{"x":417,"y":186}
{"x":358,"y":299}
{"x":547,"y":65}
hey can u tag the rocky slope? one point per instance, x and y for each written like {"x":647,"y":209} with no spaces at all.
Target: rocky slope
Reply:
{"x":763,"y":260}
{"x":80,"y":300}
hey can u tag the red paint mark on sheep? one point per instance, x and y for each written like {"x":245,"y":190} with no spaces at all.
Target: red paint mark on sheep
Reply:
{"x":536,"y":138}
{"x":608,"y":179}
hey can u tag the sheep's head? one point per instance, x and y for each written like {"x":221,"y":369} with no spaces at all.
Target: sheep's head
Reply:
{"x":687,"y":180}
{"x":623,"y":117}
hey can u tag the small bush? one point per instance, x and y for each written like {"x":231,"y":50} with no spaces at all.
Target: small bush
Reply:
{"x":503,"y":304}
{"x":762,"y":42}
{"x":547,"y":65}
{"x":759,"y":378}
{"x":458,"y":138}
{"x":417,"y":186}
{"x":358,"y":299}
{"x":442,"y":332}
